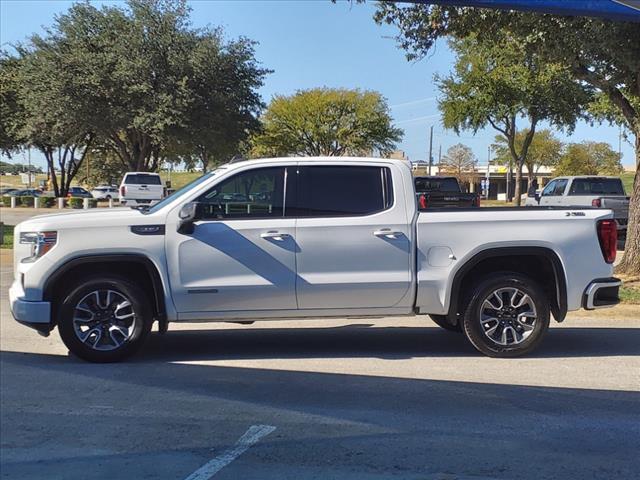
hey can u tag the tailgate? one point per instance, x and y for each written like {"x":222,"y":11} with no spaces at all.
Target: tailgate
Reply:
{"x":144,"y":192}
{"x":450,"y":200}
{"x":619,"y":205}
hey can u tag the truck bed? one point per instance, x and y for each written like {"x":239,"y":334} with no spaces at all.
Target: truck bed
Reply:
{"x":447,"y":239}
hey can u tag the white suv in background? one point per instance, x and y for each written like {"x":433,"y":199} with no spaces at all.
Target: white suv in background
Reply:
{"x":105,"y":192}
{"x":140,"y":188}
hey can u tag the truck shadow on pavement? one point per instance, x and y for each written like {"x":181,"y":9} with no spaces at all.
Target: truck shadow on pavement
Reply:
{"x":357,"y":341}
{"x":337,"y":423}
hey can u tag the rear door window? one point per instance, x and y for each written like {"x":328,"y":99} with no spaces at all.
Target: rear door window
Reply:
{"x":337,"y":191}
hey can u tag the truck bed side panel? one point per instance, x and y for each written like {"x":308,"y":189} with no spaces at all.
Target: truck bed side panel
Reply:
{"x":446,"y":240}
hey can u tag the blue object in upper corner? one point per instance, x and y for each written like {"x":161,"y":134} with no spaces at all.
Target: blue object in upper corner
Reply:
{"x":621,"y":10}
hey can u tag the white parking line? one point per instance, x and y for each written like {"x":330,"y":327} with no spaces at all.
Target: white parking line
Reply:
{"x":250,"y":437}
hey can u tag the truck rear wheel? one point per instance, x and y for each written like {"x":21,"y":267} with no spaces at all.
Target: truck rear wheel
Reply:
{"x":441,"y":321}
{"x":104,"y":319}
{"x":507,"y":315}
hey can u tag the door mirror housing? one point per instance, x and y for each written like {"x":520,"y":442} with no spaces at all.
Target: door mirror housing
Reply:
{"x":537,"y":197}
{"x":187,"y":215}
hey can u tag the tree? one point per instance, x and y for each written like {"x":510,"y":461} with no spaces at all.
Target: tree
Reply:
{"x":589,"y":158}
{"x":324,"y":121}
{"x":220,"y":119}
{"x":105,"y":168}
{"x":11,"y":111}
{"x":149,"y":85}
{"x":460,"y":162}
{"x":602,"y":54}
{"x":544,"y":151}
{"x":501,"y":85}
{"x":37,"y":112}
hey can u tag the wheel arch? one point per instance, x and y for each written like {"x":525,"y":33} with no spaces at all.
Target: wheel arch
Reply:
{"x":536,"y":262}
{"x":148,"y":278}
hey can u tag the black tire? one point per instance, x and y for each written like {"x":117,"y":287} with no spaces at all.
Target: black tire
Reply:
{"x":138,"y":327}
{"x":441,"y":321}
{"x":479,"y":332}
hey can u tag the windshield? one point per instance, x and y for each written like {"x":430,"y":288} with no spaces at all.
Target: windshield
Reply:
{"x":169,"y":198}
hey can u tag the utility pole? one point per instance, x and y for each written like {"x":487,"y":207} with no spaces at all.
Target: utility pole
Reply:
{"x":430,"y":149}
{"x":29,"y":172}
{"x":439,"y":157}
{"x":86,"y":159}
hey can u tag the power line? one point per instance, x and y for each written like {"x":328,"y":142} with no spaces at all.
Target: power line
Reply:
{"x":413,"y":102}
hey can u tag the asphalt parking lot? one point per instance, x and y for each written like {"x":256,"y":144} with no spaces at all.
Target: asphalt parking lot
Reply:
{"x":339,"y":399}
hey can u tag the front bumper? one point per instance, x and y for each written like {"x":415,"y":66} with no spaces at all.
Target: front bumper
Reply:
{"x":33,"y":314}
{"x":601,"y":293}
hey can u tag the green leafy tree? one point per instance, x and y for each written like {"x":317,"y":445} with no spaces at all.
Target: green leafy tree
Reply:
{"x":41,"y":111}
{"x":502,"y":85}
{"x":545,"y":150}
{"x":325,"y":121}
{"x":602,"y":54}
{"x":589,"y":158}
{"x":150,"y":86}
{"x":11,"y":112}
{"x":460,"y":162}
{"x":104,"y":168}
{"x":220,"y":120}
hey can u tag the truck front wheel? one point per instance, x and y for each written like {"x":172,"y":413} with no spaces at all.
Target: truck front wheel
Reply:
{"x":507,"y":315}
{"x":104,"y":318}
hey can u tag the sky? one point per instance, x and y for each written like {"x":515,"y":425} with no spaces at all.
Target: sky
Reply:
{"x":317,"y":43}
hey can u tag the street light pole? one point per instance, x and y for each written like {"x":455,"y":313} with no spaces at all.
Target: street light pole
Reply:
{"x":488,"y":173}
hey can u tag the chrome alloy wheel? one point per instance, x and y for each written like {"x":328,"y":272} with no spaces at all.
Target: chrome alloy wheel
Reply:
{"x":104,"y":319}
{"x":508,"y":316}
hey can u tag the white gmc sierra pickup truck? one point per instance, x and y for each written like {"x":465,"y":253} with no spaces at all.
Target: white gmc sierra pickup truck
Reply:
{"x":309,"y":237}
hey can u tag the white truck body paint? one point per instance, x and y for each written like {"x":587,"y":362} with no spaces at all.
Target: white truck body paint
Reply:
{"x":329,"y":267}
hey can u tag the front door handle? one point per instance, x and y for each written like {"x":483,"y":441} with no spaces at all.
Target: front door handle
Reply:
{"x":387,"y":233}
{"x":273,"y":235}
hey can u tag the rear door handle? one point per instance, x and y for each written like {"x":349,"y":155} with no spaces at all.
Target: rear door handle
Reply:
{"x":387,"y":233}
{"x":273,"y":235}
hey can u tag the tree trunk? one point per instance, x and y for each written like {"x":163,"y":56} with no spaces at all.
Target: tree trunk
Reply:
{"x":516,"y":191}
{"x":204,"y":158}
{"x":630,"y":263}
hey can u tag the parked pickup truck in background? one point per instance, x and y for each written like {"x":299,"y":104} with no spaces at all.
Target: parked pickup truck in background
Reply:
{"x":306,"y":238}
{"x":443,"y":192}
{"x":590,"y":191}
{"x":140,"y":189}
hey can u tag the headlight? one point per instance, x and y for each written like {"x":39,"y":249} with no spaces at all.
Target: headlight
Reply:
{"x":41,"y":243}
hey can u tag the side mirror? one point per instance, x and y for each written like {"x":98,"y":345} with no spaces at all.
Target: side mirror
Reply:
{"x":537,"y":197}
{"x":187,"y":216}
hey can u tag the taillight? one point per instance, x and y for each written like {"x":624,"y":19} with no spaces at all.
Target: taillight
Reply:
{"x":123,"y":191}
{"x":596,"y":202}
{"x":422,"y":200}
{"x":608,"y":238}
